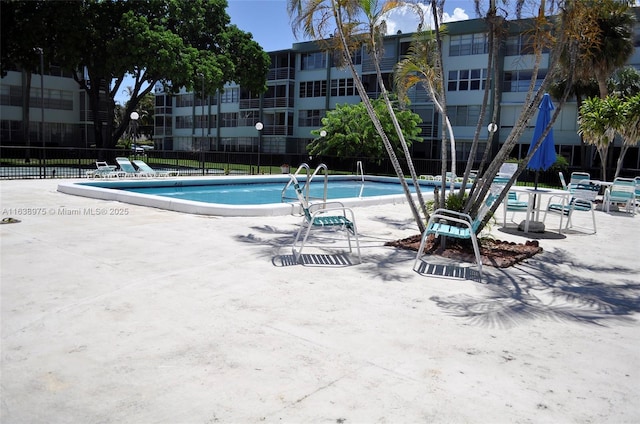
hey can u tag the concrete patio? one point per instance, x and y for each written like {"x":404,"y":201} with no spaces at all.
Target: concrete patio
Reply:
{"x":114,"y":313}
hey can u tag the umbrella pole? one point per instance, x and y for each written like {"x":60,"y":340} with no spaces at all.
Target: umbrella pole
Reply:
{"x":535,"y":200}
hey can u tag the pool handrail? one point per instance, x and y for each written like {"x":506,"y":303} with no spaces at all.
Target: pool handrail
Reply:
{"x":360,"y":171}
{"x":326,"y":182}
{"x":286,"y":186}
{"x":305,"y":166}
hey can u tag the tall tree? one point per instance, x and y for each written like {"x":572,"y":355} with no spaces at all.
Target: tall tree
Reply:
{"x":629,"y":129}
{"x":598,"y":123}
{"x":625,"y":82}
{"x":155,"y":41}
{"x":614,"y":44}
{"x":341,"y":19}
{"x":350,"y":132}
{"x":23,"y":35}
{"x":606,"y":47}
{"x":420,"y":67}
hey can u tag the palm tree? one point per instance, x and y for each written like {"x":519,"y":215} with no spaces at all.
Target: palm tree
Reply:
{"x":598,"y":123}
{"x":606,"y":43}
{"x":629,"y":128}
{"x":615,"y":41}
{"x":320,"y":18}
{"x":375,"y":30}
{"x":625,"y":82}
{"x":420,"y":67}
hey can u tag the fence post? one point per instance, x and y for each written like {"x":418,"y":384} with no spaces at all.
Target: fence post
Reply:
{"x":79,"y":156}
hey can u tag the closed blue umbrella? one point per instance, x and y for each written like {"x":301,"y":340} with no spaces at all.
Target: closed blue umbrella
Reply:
{"x":545,"y":156}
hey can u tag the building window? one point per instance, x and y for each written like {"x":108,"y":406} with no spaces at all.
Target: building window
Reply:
{"x":184,"y":100}
{"x":184,"y":121}
{"x":230,"y":95}
{"x":317,"y":60}
{"x":343,"y":87}
{"x":229,"y":120}
{"x":338,"y":61}
{"x":202,"y":121}
{"x":522,"y":44}
{"x":313,"y":88}
{"x":310,"y":118}
{"x":519,"y":81}
{"x":467,"y":79}
{"x":463,"y":115}
{"x":468,"y":44}
{"x":248,"y":118}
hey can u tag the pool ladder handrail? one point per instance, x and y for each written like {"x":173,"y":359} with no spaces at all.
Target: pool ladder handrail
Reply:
{"x":360,"y":172}
{"x":326,"y":182}
{"x":303,"y":166}
{"x":308,"y":180}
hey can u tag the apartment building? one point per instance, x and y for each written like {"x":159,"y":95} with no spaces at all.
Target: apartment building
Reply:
{"x":57,"y":106}
{"x":303,"y":84}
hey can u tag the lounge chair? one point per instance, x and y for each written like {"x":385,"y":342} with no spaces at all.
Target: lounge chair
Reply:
{"x":150,"y":172}
{"x":582,"y":199}
{"x":322,"y":215}
{"x":127,"y":169}
{"x":103,"y":170}
{"x":454,"y":224}
{"x":621,"y":191}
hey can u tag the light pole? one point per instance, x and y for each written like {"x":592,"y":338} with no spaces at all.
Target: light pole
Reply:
{"x":41,"y":132}
{"x":492,"y":128}
{"x":202,"y":99}
{"x":134,"y":118}
{"x":259,"y":127}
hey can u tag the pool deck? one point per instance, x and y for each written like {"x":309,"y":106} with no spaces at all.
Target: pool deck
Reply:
{"x":118,"y":313}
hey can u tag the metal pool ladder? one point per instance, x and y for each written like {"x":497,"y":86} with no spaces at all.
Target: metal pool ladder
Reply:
{"x":360,"y":172}
{"x":309,"y":178}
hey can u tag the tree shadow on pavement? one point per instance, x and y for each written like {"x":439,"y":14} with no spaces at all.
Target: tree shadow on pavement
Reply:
{"x":335,"y":253}
{"x":556,"y":286}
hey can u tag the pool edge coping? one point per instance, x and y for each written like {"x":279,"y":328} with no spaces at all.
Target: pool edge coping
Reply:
{"x":85,"y":188}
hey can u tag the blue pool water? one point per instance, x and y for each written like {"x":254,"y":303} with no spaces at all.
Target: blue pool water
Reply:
{"x":239,"y":196}
{"x":267,"y":193}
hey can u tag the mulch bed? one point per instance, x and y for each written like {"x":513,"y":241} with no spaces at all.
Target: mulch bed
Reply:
{"x":496,"y":253}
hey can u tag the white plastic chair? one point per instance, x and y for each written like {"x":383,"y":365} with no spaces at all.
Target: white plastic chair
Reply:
{"x":323,"y":215}
{"x":454,"y":224}
{"x":577,"y":178}
{"x":623,"y":191}
{"x":582,"y":200}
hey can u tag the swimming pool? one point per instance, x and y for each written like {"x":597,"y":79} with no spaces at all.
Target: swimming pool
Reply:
{"x":240,"y":196}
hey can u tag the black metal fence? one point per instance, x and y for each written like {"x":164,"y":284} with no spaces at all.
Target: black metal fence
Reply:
{"x":19,"y":162}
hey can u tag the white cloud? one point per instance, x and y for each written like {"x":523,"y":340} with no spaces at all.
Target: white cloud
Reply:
{"x":405,"y":19}
{"x":458,"y":15}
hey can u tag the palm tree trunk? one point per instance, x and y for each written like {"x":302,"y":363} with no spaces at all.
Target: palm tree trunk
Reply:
{"x":623,"y":152}
{"x":376,"y":121}
{"x":396,"y":125}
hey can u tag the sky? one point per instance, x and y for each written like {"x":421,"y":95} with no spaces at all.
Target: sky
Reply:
{"x":268,"y":22}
